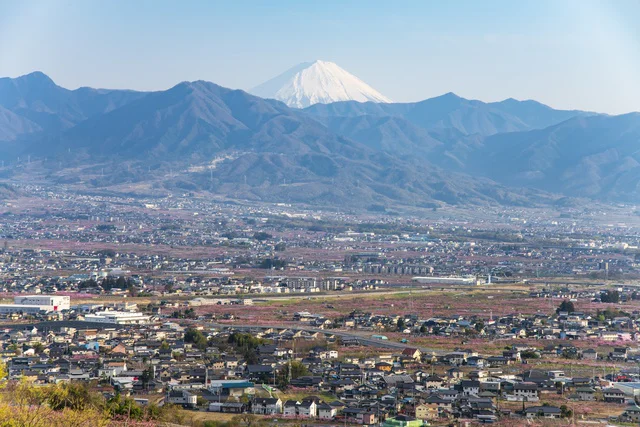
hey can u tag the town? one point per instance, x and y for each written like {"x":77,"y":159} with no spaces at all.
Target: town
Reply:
{"x":258,"y":314}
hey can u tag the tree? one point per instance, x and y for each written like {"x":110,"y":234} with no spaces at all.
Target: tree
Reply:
{"x":530,"y":354}
{"x":280,"y":247}
{"x":3,"y":374}
{"x":195,"y":337}
{"x":131,"y":290}
{"x":400,"y":325}
{"x":566,"y":306}
{"x":262,"y":236}
{"x":294,"y":369}
{"x":248,"y":420}
{"x":121,"y":283}
{"x":38,"y":348}
{"x":610,"y":296}
{"x":246,"y":345}
{"x":73,"y":395}
{"x":124,"y":406}
{"x":146,"y":377}
{"x":201,"y":402}
{"x":70,"y":405}
{"x":565,"y":412}
{"x":273,"y":263}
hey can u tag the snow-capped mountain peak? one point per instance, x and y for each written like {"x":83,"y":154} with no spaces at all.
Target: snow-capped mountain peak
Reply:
{"x":317,"y":82}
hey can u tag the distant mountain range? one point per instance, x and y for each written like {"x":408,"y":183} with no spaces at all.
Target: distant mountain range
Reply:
{"x":449,"y":111}
{"x":201,"y":136}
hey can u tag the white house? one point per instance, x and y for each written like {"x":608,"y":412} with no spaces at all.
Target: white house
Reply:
{"x":308,"y":409}
{"x":266,"y":406}
{"x":290,"y":408}
{"x":326,"y":411}
{"x":528,"y":391}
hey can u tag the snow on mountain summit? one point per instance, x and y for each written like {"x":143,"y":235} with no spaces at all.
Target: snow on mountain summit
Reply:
{"x":317,"y":82}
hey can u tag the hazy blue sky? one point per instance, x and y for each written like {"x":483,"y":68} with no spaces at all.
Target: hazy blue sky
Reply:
{"x":570,"y":54}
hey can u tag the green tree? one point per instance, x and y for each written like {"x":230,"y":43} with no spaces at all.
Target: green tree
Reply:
{"x":196,"y":338}
{"x":38,"y":348}
{"x":530,"y":354}
{"x":294,"y":369}
{"x":72,"y":395}
{"x":273,"y":263}
{"x":565,"y":412}
{"x":400,"y":325}
{"x":124,"y":407}
{"x":610,"y":296}
{"x":201,"y":402}
{"x":146,"y":377}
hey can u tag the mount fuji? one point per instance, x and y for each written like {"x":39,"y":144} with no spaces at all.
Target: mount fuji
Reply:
{"x":318,"y":82}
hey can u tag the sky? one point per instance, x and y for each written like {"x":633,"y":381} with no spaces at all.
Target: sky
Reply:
{"x":572,"y":54}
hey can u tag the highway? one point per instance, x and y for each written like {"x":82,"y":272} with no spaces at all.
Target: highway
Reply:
{"x":361,"y":337}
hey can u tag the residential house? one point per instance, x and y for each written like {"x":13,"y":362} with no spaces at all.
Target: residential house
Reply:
{"x":266,"y":406}
{"x":470,"y":387}
{"x":613,"y":395}
{"x":427,"y":411}
{"x":543,"y":412}
{"x":526,"y":391}
{"x":631,"y":414}
{"x":586,"y":393}
{"x":326,"y":411}
{"x":413,"y":353}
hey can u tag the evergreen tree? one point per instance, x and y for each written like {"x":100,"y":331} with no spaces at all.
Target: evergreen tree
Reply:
{"x":566,"y":306}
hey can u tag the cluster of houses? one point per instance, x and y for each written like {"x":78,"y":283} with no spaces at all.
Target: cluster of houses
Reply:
{"x":563,"y":325}
{"x":384,"y":387}
{"x":368,"y":391}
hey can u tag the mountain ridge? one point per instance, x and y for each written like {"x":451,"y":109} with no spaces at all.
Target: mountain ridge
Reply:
{"x":452,"y":111}
{"x":199,"y":135}
{"x":39,"y":99}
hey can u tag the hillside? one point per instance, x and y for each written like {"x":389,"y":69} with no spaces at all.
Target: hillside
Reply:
{"x":593,"y":156}
{"x":450,"y":111}
{"x":201,"y":136}
{"x":262,"y":150}
{"x":37,"y":99}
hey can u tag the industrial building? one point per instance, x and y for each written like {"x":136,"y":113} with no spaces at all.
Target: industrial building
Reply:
{"x":446,"y":280}
{"x":33,"y":304}
{"x":118,"y":318}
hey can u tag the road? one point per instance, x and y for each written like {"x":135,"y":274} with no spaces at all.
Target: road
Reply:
{"x":317,"y":295}
{"x":361,"y":337}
